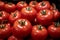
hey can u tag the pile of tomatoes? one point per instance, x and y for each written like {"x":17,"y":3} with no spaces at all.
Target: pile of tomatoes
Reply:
{"x":33,"y":21}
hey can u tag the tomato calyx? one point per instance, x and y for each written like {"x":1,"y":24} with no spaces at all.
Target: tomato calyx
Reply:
{"x":43,"y":12}
{"x":39,"y":27}
{"x":43,"y":4}
{"x":2,"y":26}
{"x":22,"y":22}
{"x":28,"y":8}
{"x":34,"y":3}
{"x":1,"y":14}
{"x":57,"y":24}
{"x":22,"y":2}
{"x":10,"y":3}
{"x":14,"y":15}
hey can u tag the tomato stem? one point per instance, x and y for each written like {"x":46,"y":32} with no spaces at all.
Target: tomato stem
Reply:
{"x":57,"y":24}
{"x":22,"y":23}
{"x":28,"y":8}
{"x":43,"y":12}
{"x":39,"y":27}
{"x":2,"y":26}
{"x":43,"y":4}
{"x":14,"y":15}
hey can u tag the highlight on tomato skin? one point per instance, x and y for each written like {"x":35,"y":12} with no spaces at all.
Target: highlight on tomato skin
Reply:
{"x":14,"y":38}
{"x":28,"y":13}
{"x":43,"y":5}
{"x":10,"y":7}
{"x":21,"y":28}
{"x":39,"y":32}
{"x":21,"y":5}
{"x":5,"y":31}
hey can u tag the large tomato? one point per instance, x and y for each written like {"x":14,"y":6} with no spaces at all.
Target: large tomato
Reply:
{"x":21,"y":5}
{"x":39,"y":32}
{"x":54,"y":30}
{"x":3,"y":15}
{"x":42,"y":5}
{"x":21,"y":28}
{"x":2,"y":5}
{"x":5,"y":30}
{"x":14,"y":38}
{"x":33,"y":4}
{"x":28,"y":13}
{"x":45,"y":17}
{"x":14,"y":16}
{"x":10,"y":7}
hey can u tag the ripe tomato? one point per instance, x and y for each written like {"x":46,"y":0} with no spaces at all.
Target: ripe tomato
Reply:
{"x":1,"y":39}
{"x":21,"y":5}
{"x":5,"y":30}
{"x":14,"y":38}
{"x":42,"y":5}
{"x":33,"y":4}
{"x":39,"y":32}
{"x":21,"y":28}
{"x":56,"y":14}
{"x":54,"y":30}
{"x":2,"y":5}
{"x":10,"y":7}
{"x":28,"y":13}
{"x":45,"y":17}
{"x":3,"y":15}
{"x":14,"y":16}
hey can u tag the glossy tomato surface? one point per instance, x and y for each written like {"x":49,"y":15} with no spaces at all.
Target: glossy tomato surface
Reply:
{"x":22,"y":28}
{"x":10,"y":7}
{"x":45,"y":17}
{"x":28,"y":13}
{"x":21,"y":5}
{"x":39,"y":32}
{"x":14,"y":16}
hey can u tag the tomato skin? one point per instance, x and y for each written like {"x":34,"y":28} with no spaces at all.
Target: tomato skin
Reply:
{"x":5,"y":30}
{"x":56,"y":15}
{"x":33,"y":4}
{"x":10,"y":7}
{"x":28,"y":13}
{"x":21,"y":5}
{"x":54,"y":31}
{"x":45,"y":17}
{"x":22,"y":28}
{"x":42,"y":5}
{"x":14,"y":38}
{"x":39,"y":32}
{"x":3,"y":15}
{"x":14,"y":16}
{"x":2,"y":5}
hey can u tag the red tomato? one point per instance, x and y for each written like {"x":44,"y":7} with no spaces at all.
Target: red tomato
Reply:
{"x":56,"y":15}
{"x":21,"y":5}
{"x":10,"y":7}
{"x":3,"y":15}
{"x":42,"y":5}
{"x":14,"y":38}
{"x":33,"y":4}
{"x":45,"y":17}
{"x":21,"y":28}
{"x":2,"y":5}
{"x":5,"y":30}
{"x":54,"y":30}
{"x":39,"y":32}
{"x":14,"y":16}
{"x":28,"y":13}
{"x":51,"y":7}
